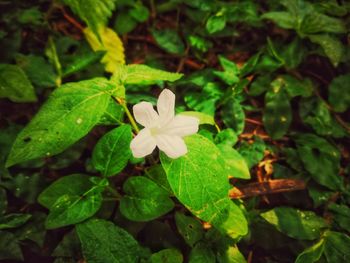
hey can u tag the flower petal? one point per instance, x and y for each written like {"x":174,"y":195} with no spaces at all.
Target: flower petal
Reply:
{"x":166,"y":106}
{"x":181,"y":126}
{"x":143,"y":144}
{"x":173,"y":146}
{"x":145,"y":114}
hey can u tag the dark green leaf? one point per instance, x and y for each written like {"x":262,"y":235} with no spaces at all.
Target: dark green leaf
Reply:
{"x":157,"y":174}
{"x":13,"y":220}
{"x":311,"y":254}
{"x":139,"y":12}
{"x":82,"y":62}
{"x":234,"y":116}
{"x":124,"y":23}
{"x":337,"y":247}
{"x":169,"y":40}
{"x":170,"y":255}
{"x":189,"y":228}
{"x":282,"y":19}
{"x":252,"y":152}
{"x":9,"y":246}
{"x":202,"y":253}
{"x":339,"y":93}
{"x":315,"y":22}
{"x":341,"y":215}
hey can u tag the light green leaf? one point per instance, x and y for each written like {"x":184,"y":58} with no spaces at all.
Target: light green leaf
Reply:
{"x":311,"y":254}
{"x":283,"y":19}
{"x":198,"y":179}
{"x":231,"y":255}
{"x":143,"y":75}
{"x":112,"y":152}
{"x":189,"y":228}
{"x":202,"y":253}
{"x":298,"y":224}
{"x":331,"y":46}
{"x":169,"y":40}
{"x":72,"y":199}
{"x":139,"y":12}
{"x":13,"y":220}
{"x":94,"y":13}
{"x":339,"y":93}
{"x":15,"y":85}
{"x":278,"y":113}
{"x":104,"y":242}
{"x":144,"y":200}
{"x":169,"y":255}
{"x":337,"y":247}
{"x":234,"y":163}
{"x":215,"y":23}
{"x":226,"y":136}
{"x":69,"y":114}
{"x":202,"y":117}
{"x":231,"y":71}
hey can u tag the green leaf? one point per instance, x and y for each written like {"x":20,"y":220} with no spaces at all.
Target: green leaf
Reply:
{"x":94,"y":13}
{"x":202,"y":253}
{"x":293,"y":54}
{"x":34,"y":229}
{"x":315,"y":150}
{"x":337,"y":247}
{"x":198,"y":179}
{"x":234,"y":163}
{"x":114,"y":114}
{"x":311,"y":254}
{"x":15,"y":85}
{"x":331,"y":46}
{"x":341,"y":215}
{"x":38,"y":70}
{"x":339,"y":93}
{"x":104,"y":242}
{"x":13,"y":220}
{"x":189,"y":228}
{"x":3,"y":201}
{"x":10,"y":247}
{"x":282,"y":19}
{"x":202,"y":117}
{"x":69,"y":114}
{"x":215,"y":23}
{"x":157,"y":174}
{"x":231,"y":71}
{"x":199,"y":43}
{"x":169,"y":255}
{"x":231,"y":255}
{"x":252,"y":152}
{"x":169,"y":40}
{"x":278,"y":113}
{"x":295,"y":87}
{"x":315,"y":22}
{"x":139,"y":12}
{"x":144,"y":200}
{"x":112,"y":152}
{"x":72,"y":199}
{"x":143,"y":75}
{"x":226,"y":136}
{"x":234,"y":116}
{"x":298,"y":224}
{"x":124,"y":23}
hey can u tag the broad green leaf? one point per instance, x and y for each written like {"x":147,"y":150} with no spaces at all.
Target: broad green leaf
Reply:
{"x":283,"y":19}
{"x":316,"y":23}
{"x":226,"y":136}
{"x":68,"y":115}
{"x":110,"y":43}
{"x":143,"y":75}
{"x":278,"y":113}
{"x":72,"y":199}
{"x":112,"y":152}
{"x":293,"y":54}
{"x":202,"y":253}
{"x":13,"y":220}
{"x":38,"y":70}
{"x":124,"y":23}
{"x":337,"y":247}
{"x":104,"y":242}
{"x":295,"y":87}
{"x":339,"y":93}
{"x":234,"y":116}
{"x":260,"y":85}
{"x":69,"y":246}
{"x":231,"y":255}
{"x":144,"y":200}
{"x":157,"y":174}
{"x":9,"y":247}
{"x":315,"y":150}
{"x":231,"y":71}
{"x":189,"y":228}
{"x":33,"y":229}
{"x":341,"y":215}
{"x":15,"y":85}
{"x":139,"y":12}
{"x":169,"y":40}
{"x":169,"y":255}
{"x":298,"y":224}
{"x":216,"y":23}
{"x":198,"y":179}
{"x":311,"y":254}
{"x":94,"y":13}
{"x":113,"y":115}
{"x":202,"y":117}
{"x":234,"y":163}
{"x":331,"y":46}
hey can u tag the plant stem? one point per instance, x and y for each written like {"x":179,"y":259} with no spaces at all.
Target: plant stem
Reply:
{"x":130,"y":117}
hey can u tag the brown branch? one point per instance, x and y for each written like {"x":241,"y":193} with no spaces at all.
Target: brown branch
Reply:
{"x":269,"y":187}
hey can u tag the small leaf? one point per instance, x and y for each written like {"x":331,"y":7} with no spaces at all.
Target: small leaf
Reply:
{"x":337,"y":247}
{"x":139,"y":12}
{"x":104,"y":242}
{"x":339,"y":93}
{"x":253,"y":153}
{"x":189,"y":228}
{"x":69,"y":114}
{"x":202,"y":117}
{"x":234,"y":163}
{"x":169,"y":255}
{"x":234,"y":116}
{"x":9,"y":247}
{"x":202,"y":253}
{"x":169,"y":40}
{"x":231,"y":71}
{"x":15,"y":85}
{"x":112,"y":152}
{"x":157,"y":174}
{"x":231,"y":255}
{"x":311,"y":254}
{"x":111,"y":43}
{"x":298,"y":224}
{"x":215,"y":23}
{"x":144,"y":200}
{"x":13,"y":220}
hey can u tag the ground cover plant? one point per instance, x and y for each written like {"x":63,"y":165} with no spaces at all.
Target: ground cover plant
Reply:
{"x":174,"y":131}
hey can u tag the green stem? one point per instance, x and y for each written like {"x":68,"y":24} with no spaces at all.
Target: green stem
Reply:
{"x":130,"y":117}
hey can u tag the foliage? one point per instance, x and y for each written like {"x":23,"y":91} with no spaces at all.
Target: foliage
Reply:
{"x":265,"y":179}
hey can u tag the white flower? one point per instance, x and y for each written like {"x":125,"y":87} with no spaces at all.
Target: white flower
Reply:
{"x":162,"y":129}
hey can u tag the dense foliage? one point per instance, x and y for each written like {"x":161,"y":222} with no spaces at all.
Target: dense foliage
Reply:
{"x":265,"y":179}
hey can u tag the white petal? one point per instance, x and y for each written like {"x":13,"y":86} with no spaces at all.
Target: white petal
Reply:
{"x":166,"y":106}
{"x":145,"y":114}
{"x":143,"y":144}
{"x":181,"y":126}
{"x":173,"y":146}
